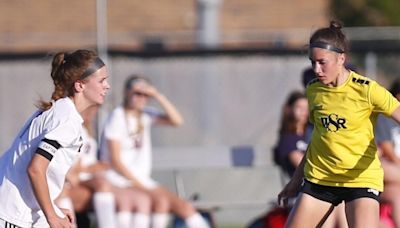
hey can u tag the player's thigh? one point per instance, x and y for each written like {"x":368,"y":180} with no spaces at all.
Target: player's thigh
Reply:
{"x":308,"y":212}
{"x":363,"y":213}
{"x":81,"y":197}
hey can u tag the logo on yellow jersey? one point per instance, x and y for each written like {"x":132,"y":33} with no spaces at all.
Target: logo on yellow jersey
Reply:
{"x":333,"y":122}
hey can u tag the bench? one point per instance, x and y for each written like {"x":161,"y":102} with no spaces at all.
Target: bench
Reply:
{"x":219,"y":179}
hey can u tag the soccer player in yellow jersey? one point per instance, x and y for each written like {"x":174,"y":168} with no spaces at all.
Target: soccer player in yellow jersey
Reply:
{"x":341,"y":162}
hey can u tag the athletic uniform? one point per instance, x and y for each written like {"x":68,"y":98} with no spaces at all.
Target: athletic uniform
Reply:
{"x":88,"y":154}
{"x":136,"y":154}
{"x":54,"y":134}
{"x":342,"y":152}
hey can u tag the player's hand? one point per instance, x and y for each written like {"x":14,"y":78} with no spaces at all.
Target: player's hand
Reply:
{"x":147,"y":89}
{"x":151,"y":91}
{"x":58,"y":222}
{"x":289,"y":191}
{"x":69,"y":215}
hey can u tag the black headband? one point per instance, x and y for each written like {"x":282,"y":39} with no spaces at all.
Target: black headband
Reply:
{"x":326,"y":46}
{"x":95,"y":66}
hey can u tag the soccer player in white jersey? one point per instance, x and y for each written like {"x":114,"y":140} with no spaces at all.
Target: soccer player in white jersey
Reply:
{"x":87,"y":184}
{"x":33,"y":169}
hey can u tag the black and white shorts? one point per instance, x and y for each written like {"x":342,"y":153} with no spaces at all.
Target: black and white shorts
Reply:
{"x":335,"y":195}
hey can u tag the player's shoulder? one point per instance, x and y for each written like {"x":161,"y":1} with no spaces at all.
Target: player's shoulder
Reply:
{"x":115,"y":121}
{"x":313,"y":81}
{"x":118,"y":113}
{"x":119,"y":110}
{"x":64,"y":110}
{"x":360,"y":80}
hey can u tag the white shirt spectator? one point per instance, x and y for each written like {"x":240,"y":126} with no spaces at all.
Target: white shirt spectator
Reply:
{"x":136,"y":152}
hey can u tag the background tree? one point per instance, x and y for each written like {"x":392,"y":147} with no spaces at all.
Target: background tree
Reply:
{"x":366,"y":12}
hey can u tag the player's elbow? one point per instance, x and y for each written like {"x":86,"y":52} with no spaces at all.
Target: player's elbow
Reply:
{"x":34,"y":171}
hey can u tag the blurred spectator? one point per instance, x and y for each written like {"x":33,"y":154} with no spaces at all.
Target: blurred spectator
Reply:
{"x":292,"y":142}
{"x":86,"y":183}
{"x":126,"y":144}
{"x":387,"y":136}
{"x":306,"y":76}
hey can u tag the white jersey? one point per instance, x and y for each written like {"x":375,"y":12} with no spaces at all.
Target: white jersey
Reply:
{"x":136,"y":152}
{"x":88,"y":154}
{"x":54,"y":134}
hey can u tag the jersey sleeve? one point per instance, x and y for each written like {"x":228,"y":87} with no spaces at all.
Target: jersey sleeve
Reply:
{"x":62,"y":134}
{"x":382,"y":100}
{"x":48,"y":148}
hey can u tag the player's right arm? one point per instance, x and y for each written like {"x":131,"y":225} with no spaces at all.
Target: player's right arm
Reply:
{"x":291,"y":188}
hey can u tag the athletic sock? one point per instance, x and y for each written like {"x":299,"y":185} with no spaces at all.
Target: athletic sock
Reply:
{"x":104,"y":207}
{"x":160,"y":220}
{"x":124,"y":219}
{"x":196,"y":221}
{"x":140,"y":220}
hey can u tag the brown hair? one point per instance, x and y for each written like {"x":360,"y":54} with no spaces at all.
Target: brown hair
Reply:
{"x":288,"y":122}
{"x":66,"y":69}
{"x":331,"y":35}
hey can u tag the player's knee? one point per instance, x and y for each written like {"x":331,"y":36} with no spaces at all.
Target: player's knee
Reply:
{"x":161,"y":203}
{"x":143,"y":203}
{"x":187,"y":208}
{"x":102,"y":185}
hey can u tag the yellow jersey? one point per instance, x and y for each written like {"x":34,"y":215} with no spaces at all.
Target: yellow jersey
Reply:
{"x":342,"y":152}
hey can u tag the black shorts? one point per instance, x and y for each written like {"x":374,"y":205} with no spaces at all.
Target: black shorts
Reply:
{"x":335,"y":195}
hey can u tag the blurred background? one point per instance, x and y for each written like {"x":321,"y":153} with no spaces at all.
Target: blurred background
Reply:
{"x":228,"y":65}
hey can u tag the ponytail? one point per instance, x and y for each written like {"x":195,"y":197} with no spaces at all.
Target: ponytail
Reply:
{"x":66,"y":69}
